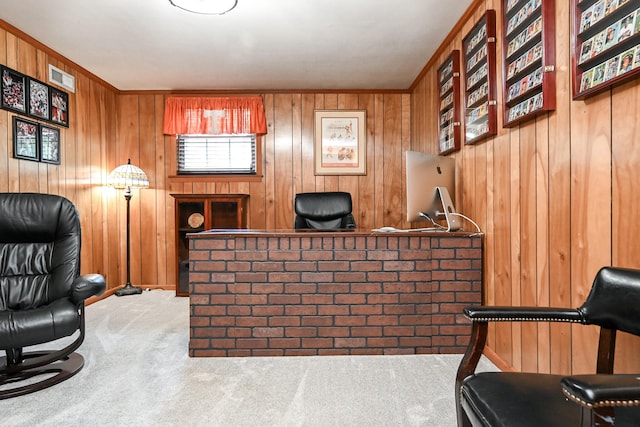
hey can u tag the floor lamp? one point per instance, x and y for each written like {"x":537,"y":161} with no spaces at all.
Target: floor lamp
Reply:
{"x":127,"y":177}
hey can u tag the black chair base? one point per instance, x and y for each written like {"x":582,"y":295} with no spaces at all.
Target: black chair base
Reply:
{"x":12,"y":384}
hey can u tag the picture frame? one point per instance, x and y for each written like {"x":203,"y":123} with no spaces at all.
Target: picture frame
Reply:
{"x":340,"y":142}
{"x":25,"y":139}
{"x":59,"y":104}
{"x":38,"y":97}
{"x":14,"y":90}
{"x":49,"y":144}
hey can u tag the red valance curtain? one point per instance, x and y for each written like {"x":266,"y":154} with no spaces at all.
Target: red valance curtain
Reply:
{"x":214,"y":116}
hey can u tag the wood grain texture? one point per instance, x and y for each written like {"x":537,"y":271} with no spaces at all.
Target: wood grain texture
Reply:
{"x":560,"y":203}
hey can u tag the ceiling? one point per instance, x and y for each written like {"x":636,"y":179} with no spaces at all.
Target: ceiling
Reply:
{"x":261,"y":44}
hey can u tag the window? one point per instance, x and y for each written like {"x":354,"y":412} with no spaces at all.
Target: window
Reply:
{"x":217,"y":154}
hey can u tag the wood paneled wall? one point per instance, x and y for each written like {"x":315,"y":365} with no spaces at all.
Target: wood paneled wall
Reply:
{"x":557,"y":198}
{"x":87,"y":149}
{"x":108,"y":127}
{"x":288,"y":169}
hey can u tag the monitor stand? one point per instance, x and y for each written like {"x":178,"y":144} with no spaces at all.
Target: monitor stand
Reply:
{"x":453,"y":221}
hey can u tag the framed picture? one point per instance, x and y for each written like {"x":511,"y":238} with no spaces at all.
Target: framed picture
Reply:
{"x":14,"y":90}
{"x":25,"y":139}
{"x":59,"y":107}
{"x":49,"y":144}
{"x":39,"y":100}
{"x":340,"y":142}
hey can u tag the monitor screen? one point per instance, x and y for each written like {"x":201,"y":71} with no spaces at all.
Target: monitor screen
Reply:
{"x":427,"y":176}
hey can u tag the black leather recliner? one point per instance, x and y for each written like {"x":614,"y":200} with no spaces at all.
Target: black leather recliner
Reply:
{"x":41,"y":293}
{"x":532,"y":399}
{"x":329,"y":210}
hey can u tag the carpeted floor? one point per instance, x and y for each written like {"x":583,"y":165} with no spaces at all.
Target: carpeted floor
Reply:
{"x":137,"y":373}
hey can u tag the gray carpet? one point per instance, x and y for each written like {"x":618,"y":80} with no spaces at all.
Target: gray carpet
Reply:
{"x":137,"y":373}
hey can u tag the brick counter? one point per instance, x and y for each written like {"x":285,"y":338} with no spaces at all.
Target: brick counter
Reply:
{"x":291,"y":293}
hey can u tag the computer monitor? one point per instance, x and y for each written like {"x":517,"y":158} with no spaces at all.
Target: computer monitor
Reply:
{"x":430,"y":188}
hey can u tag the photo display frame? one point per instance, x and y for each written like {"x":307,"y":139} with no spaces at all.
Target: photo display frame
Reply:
{"x":32,"y":98}
{"x":528,"y":59}
{"x":340,"y":142}
{"x":26,"y":137}
{"x":49,"y":139}
{"x":606,"y":44}
{"x":13,"y":87}
{"x":449,"y":112}
{"x":59,"y":105}
{"x":479,"y":47}
{"x":39,"y":107}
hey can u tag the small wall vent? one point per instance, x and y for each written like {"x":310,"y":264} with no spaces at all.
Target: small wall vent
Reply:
{"x":59,"y":77}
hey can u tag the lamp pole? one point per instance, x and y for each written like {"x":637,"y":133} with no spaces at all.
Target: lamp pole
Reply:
{"x":126,"y":177}
{"x":128,"y":288}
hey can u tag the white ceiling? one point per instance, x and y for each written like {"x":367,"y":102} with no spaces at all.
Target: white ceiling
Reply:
{"x":261,"y":44}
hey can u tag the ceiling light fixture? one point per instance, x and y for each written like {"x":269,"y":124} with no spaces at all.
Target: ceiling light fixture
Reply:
{"x":205,"y":7}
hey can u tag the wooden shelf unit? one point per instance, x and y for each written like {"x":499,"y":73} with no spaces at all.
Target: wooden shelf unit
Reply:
{"x":479,"y":47}
{"x":449,"y":111}
{"x":200,"y":212}
{"x":528,"y":59}
{"x":605,"y":35}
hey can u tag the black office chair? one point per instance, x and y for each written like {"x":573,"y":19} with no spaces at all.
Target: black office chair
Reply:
{"x":324,"y":211}
{"x":532,"y":399}
{"x":41,"y":294}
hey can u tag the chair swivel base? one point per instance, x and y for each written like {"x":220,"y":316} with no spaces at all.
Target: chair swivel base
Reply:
{"x":11,"y":384}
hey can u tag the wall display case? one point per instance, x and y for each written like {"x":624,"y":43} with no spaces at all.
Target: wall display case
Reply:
{"x":200,"y":212}
{"x":479,"y":46}
{"x":606,"y":44}
{"x":528,"y":59}
{"x":449,"y":112}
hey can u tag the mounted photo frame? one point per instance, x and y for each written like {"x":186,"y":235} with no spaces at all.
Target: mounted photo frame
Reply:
{"x":14,"y":90}
{"x":59,"y":102}
{"x":25,"y":139}
{"x":340,"y":142}
{"x":49,"y":144}
{"x":39,"y":106}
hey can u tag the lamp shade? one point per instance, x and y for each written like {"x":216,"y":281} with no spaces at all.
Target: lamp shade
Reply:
{"x":205,"y":7}
{"x":128,"y":175}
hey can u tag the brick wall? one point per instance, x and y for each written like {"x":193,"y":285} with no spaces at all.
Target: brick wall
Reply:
{"x":331,"y":294}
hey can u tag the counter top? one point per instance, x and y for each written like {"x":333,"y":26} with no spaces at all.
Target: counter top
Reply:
{"x":323,"y":233}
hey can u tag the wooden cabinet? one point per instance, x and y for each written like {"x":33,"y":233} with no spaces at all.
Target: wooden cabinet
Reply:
{"x":199,"y":212}
{"x":449,"y":113}
{"x":528,"y":59}
{"x":479,"y":46}
{"x":606,"y":44}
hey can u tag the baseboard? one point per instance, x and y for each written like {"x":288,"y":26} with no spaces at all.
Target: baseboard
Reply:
{"x":112,"y":291}
{"x":497,"y":360}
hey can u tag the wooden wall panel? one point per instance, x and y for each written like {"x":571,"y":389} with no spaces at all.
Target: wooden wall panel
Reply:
{"x":288,"y":168}
{"x":5,"y":122}
{"x":82,"y":172}
{"x":559,"y":201}
{"x":625,"y":110}
{"x":107,"y":128}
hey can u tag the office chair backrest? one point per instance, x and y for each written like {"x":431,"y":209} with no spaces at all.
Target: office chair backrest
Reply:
{"x":40,"y":245}
{"x":324,"y":210}
{"x":614,"y":300}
